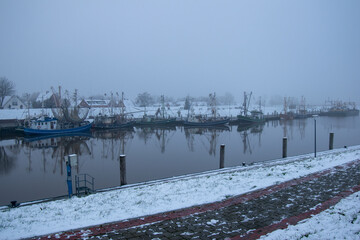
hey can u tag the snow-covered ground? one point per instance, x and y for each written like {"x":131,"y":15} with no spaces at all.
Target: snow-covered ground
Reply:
{"x":137,"y":112}
{"x":341,"y":221}
{"x":160,"y":196}
{"x":179,"y":111}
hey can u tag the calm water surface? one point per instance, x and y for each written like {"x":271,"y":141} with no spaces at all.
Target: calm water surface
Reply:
{"x":32,"y":169}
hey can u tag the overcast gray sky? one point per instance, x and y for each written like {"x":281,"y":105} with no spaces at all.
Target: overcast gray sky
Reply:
{"x":287,"y":48}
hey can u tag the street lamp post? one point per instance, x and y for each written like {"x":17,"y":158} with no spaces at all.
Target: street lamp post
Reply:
{"x":314,"y":116}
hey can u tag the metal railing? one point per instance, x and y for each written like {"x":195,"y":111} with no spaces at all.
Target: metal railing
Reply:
{"x":84,"y":184}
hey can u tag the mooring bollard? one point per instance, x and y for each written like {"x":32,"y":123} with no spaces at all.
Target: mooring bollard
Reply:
{"x":14,"y":204}
{"x":331,"y":141}
{"x":284,"y":153}
{"x":222,"y":155}
{"x":122,"y":170}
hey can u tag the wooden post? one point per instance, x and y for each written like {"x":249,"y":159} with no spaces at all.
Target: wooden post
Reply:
{"x":122,"y":170}
{"x":284,"y":153}
{"x":331,"y":141}
{"x":222,"y":155}
{"x":315,"y":137}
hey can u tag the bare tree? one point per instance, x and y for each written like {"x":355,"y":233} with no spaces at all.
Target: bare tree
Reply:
{"x":187,"y":104}
{"x":228,"y":99}
{"x":7,"y":88}
{"x":144,"y":99}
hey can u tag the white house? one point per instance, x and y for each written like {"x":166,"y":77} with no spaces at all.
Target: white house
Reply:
{"x":94,"y":103}
{"x":13,"y":102}
{"x":44,"y":96}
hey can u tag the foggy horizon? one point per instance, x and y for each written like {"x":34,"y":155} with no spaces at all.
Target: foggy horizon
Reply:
{"x":180,"y":48}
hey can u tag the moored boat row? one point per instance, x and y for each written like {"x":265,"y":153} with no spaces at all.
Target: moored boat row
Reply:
{"x":72,"y":123}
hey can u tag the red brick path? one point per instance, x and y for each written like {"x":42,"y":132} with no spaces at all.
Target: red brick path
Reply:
{"x":105,"y":228}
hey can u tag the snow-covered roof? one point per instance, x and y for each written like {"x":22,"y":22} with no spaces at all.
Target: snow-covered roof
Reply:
{"x":6,"y":99}
{"x":97,"y":102}
{"x":44,"y":96}
{"x":9,"y":98}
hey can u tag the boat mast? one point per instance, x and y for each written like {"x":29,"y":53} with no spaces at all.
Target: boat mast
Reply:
{"x":59,"y":94}
{"x":75,"y":97}
{"x":122,"y":104}
{"x":111,"y":104}
{"x":260,"y":104}
{"x":42,"y":104}
{"x":246,"y":103}
{"x":285,"y":106}
{"x":162,"y":106}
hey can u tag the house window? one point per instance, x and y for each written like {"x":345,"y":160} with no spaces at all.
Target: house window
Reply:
{"x":14,"y":103}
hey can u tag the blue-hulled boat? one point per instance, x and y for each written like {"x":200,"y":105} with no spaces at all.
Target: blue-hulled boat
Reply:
{"x":50,"y":126}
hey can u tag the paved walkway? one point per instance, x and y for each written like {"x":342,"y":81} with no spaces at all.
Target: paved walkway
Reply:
{"x":246,"y":216}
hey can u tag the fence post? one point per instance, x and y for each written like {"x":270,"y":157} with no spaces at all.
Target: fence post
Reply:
{"x":122,"y":170}
{"x":331,"y":141}
{"x":222,"y":155}
{"x":284,"y":152}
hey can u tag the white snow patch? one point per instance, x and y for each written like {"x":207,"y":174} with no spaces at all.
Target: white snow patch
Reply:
{"x":341,"y":221}
{"x":212,"y":222}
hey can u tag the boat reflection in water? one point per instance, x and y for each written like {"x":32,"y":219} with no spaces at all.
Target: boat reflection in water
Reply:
{"x":8,"y":155}
{"x":113,"y":141}
{"x":253,"y":130}
{"x":58,"y":146}
{"x":198,"y":134}
{"x":114,"y":147}
{"x":163,"y":134}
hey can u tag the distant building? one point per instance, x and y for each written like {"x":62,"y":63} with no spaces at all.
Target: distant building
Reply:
{"x":46,"y":99}
{"x":94,"y":103}
{"x":98,"y":103}
{"x":13,"y":102}
{"x":44,"y":96}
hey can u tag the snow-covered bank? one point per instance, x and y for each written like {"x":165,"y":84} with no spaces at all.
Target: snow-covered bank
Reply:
{"x":163,"y":196}
{"x":136,"y":112}
{"x":341,"y":221}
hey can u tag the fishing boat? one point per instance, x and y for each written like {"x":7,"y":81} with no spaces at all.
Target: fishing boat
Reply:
{"x":341,"y":109}
{"x":204,"y":121}
{"x":148,"y":120}
{"x":50,"y":126}
{"x":39,"y":138}
{"x":112,"y":122}
{"x":255,"y":117}
{"x":159,"y":119}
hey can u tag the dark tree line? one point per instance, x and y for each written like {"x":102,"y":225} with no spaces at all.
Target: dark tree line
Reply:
{"x":7,"y":88}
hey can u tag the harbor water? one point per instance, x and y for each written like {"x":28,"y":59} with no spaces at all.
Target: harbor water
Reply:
{"x":34,"y":168}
